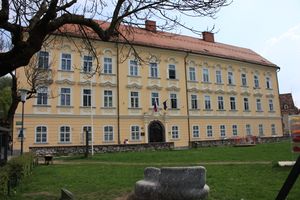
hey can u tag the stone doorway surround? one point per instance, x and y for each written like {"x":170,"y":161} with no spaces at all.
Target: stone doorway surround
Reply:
{"x":156,"y":132}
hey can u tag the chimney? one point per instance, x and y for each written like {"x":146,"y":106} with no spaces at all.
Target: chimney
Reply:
{"x":208,"y":36}
{"x":150,"y":25}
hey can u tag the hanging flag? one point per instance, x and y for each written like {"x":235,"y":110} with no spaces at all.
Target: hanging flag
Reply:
{"x":165,"y":104}
{"x":155,"y":106}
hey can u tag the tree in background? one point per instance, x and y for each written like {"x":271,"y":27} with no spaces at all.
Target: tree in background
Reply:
{"x":26,"y":24}
{"x":5,"y":97}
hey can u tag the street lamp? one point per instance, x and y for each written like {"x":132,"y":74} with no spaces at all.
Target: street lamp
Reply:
{"x":23,"y":94}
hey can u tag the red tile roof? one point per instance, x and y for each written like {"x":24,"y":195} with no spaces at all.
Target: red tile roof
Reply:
{"x":165,"y":40}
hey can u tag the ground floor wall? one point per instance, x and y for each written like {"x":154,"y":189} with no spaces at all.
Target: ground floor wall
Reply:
{"x":62,"y":130}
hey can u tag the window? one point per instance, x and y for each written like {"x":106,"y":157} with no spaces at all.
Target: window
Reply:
{"x":87,"y":97}
{"x":66,"y":62}
{"x":65,"y":134}
{"x":154,"y":98}
{"x":108,"y":133}
{"x":134,"y":99}
{"x":153,"y":70}
{"x":194,"y":102}
{"x":246,"y":104}
{"x":173,"y":98}
{"x":133,"y":68}
{"x":258,"y":105}
{"x":192,"y":73}
{"x":41,"y":134}
{"x":256,"y":81}
{"x":230,"y":78}
{"x":268,"y":83}
{"x":273,"y":129}
{"x":205,"y":75}
{"x":172,"y":72}
{"x":271,"y":105}
{"x":89,"y":130}
{"x":244,"y":79}
{"x":218,"y":77}
{"x":107,"y":66}
{"x":108,"y":99}
{"x":232,"y":103}
{"x":220,"y":103}
{"x":42,"y":96}
{"x":207,"y":104}
{"x":87,"y":64}
{"x":248,"y":129}
{"x":175,"y":132}
{"x":196,"y":131}
{"x":43,"y":62}
{"x":222,"y":130}
{"x":65,"y":96}
{"x":234,"y":130}
{"x":209,"y":131}
{"x":135,"y":133}
{"x":260,"y":130}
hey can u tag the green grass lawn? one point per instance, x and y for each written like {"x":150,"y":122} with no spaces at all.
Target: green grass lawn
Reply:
{"x":232,"y":173}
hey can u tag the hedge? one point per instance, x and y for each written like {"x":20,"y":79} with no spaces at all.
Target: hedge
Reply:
{"x":13,"y":172}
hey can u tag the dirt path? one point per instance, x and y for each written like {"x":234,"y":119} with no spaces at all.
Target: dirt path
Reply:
{"x":61,"y":162}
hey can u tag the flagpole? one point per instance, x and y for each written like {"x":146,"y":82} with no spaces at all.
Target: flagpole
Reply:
{"x":92,"y":117}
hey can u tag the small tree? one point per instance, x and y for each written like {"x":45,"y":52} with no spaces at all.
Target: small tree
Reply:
{"x":26,"y":24}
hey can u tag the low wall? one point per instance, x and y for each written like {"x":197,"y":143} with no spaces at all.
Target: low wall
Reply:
{"x":67,"y":150}
{"x":231,"y":142}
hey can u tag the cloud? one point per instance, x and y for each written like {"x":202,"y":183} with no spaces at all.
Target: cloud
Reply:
{"x":284,"y":50}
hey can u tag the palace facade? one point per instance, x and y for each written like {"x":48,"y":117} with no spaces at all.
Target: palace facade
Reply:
{"x":183,"y":89}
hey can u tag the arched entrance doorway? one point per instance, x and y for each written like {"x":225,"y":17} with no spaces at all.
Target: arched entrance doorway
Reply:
{"x":156,"y":132}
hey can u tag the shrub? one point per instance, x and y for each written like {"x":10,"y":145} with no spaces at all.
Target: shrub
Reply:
{"x":12,"y":173}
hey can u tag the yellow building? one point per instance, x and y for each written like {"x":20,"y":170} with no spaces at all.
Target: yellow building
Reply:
{"x":203,"y":90}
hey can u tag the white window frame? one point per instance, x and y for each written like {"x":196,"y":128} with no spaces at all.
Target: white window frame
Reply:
{"x":90,"y":130}
{"x":135,"y":133}
{"x":219,"y":77}
{"x":246,"y":104}
{"x":154,"y":98}
{"x":153,"y":70}
{"x":222,"y":130}
{"x":230,"y":78}
{"x":43,"y":134}
{"x":66,"y":62}
{"x":174,"y":101}
{"x":244,"y":79}
{"x":107,"y":98}
{"x":43,"y":60}
{"x":232,"y":101}
{"x":87,"y":63}
{"x":205,"y":75}
{"x":268,"y":83}
{"x":64,"y":133}
{"x":134,"y":99}
{"x":133,"y":68}
{"x":234,"y":130}
{"x":172,"y":69}
{"x":108,"y":133}
{"x":209,"y":131}
{"x":271,"y":105}
{"x":258,"y":105}
{"x":207,"y":102}
{"x":42,"y":96}
{"x":175,"y":132}
{"x":107,"y":65}
{"x":192,"y":73}
{"x":194,"y":101}
{"x":273,"y":129}
{"x":86,"y":98}
{"x":248,"y":129}
{"x":65,"y":98}
{"x":196,"y":131}
{"x":256,"y":81}
{"x":220,"y":103}
{"x":260,"y":129}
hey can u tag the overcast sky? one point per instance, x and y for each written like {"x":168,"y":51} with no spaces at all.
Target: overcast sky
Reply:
{"x":268,"y":27}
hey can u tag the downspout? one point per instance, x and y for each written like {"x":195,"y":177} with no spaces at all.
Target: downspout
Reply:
{"x":187,"y":98}
{"x":118,"y":95}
